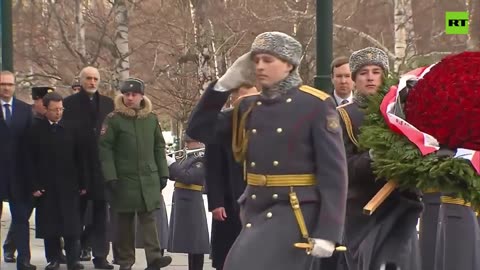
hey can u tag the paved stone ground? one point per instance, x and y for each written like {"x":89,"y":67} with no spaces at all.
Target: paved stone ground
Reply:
{"x":180,"y":261}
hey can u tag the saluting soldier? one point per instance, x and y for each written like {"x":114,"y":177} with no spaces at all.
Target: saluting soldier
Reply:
{"x":188,"y":221}
{"x":296,"y":192}
{"x":388,"y":238}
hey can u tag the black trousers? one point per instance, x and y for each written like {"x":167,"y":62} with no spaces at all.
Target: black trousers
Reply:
{"x":94,"y":234}
{"x":195,"y":261}
{"x":9,"y":247}
{"x":53,"y":249}
{"x":21,"y":211}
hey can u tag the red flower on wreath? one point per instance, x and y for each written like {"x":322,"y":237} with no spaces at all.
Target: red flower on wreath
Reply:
{"x":446,"y":102}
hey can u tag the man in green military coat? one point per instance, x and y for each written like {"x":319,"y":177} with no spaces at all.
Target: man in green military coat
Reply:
{"x":132,"y":153}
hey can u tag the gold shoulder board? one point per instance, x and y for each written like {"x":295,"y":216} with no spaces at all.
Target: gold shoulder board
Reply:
{"x":314,"y":92}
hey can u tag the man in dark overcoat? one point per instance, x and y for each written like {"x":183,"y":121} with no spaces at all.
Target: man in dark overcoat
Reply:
{"x":38,"y":92}
{"x":15,"y":122}
{"x":58,"y":164}
{"x":87,"y":110}
{"x":224,"y":177}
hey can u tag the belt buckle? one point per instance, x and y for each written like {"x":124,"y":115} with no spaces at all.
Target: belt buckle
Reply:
{"x":263,"y":180}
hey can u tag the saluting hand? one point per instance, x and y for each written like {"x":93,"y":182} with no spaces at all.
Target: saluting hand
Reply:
{"x":38,"y":193}
{"x":242,"y":71}
{"x":83,"y":192}
{"x":219,"y":214}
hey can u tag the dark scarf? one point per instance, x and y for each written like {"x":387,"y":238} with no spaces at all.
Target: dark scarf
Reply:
{"x":360,"y":99}
{"x":281,"y":87}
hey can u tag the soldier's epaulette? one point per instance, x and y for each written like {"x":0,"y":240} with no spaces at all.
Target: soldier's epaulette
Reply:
{"x":314,"y":92}
{"x":236,"y":102}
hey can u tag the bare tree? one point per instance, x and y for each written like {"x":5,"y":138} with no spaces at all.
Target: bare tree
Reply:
{"x":178,"y":46}
{"x":403,"y":24}
{"x":80,"y":29}
{"x":473,"y":42}
{"x":122,"y":66}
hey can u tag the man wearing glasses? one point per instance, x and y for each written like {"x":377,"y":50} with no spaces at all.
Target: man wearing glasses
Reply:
{"x":60,"y":175}
{"x":16,"y":118}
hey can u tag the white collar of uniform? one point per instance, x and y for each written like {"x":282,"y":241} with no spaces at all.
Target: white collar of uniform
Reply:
{"x":340,"y":99}
{"x":10,"y":102}
{"x":51,"y":123}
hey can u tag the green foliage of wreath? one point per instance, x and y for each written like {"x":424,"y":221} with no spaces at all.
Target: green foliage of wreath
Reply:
{"x":396,"y":158}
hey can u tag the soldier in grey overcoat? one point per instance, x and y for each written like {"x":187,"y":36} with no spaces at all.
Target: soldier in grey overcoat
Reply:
{"x":289,"y":140}
{"x":188,"y":232}
{"x":449,"y":233}
{"x":428,"y":228}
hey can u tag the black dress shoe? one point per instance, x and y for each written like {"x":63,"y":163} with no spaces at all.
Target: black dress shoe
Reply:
{"x":52,"y":265}
{"x":85,"y":255}
{"x":26,"y":266}
{"x":9,"y":258}
{"x":62,"y":259}
{"x":129,"y":267}
{"x":163,"y":261}
{"x":75,"y":266}
{"x":102,"y":264}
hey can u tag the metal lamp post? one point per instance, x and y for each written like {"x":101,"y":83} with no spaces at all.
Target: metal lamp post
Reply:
{"x":6,"y":38}
{"x":324,"y":39}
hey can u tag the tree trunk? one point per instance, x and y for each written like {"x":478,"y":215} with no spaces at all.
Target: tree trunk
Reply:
{"x":404,"y":44}
{"x":122,"y":65}
{"x":473,"y":43}
{"x":55,"y":41}
{"x":80,"y":29}
{"x":205,"y":72}
{"x":214,"y":51}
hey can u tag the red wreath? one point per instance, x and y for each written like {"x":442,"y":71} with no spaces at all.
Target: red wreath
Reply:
{"x":446,"y":102}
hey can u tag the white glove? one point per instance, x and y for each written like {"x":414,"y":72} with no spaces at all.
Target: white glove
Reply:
{"x":371,"y":154}
{"x":322,"y":248}
{"x":170,"y":160}
{"x":241,"y":72}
